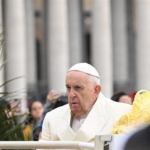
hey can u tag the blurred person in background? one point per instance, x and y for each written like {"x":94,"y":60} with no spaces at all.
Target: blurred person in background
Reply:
{"x":54,"y":100}
{"x":123,"y":97}
{"x":35,"y":116}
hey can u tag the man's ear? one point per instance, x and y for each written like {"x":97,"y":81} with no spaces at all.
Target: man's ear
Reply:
{"x":97,"y":90}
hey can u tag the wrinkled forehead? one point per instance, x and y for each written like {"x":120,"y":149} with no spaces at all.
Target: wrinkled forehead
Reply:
{"x":76,"y":76}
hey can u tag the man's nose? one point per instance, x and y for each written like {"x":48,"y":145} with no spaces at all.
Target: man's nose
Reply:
{"x":72,"y":93}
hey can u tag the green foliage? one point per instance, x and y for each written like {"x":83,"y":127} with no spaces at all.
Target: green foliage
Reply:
{"x":11,"y":129}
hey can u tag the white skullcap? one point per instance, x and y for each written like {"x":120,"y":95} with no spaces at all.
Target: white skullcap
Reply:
{"x":86,"y":68}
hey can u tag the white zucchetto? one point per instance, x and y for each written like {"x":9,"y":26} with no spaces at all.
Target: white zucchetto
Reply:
{"x":86,"y":68}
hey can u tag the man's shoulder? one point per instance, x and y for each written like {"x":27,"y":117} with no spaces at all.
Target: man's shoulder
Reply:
{"x":119,"y":107}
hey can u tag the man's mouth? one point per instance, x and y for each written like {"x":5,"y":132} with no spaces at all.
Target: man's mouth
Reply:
{"x":74,"y":103}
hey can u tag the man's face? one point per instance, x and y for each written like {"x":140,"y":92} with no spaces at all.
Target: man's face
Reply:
{"x":82,"y":93}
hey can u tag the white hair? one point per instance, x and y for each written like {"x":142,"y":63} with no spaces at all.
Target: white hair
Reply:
{"x":94,"y":80}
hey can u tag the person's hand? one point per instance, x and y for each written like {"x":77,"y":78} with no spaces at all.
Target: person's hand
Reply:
{"x":52,"y":96}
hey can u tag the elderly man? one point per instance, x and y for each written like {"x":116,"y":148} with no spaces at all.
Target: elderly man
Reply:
{"x":88,"y":113}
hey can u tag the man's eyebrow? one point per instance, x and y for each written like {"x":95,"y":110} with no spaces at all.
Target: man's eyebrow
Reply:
{"x":79,"y":85}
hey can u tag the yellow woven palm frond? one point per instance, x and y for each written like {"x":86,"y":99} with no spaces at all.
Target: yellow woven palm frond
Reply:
{"x":121,"y":124}
{"x":124,"y":120}
{"x":139,"y":115}
{"x":141,"y":108}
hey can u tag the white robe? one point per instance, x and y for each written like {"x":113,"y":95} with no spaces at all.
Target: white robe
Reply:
{"x":100,"y":121}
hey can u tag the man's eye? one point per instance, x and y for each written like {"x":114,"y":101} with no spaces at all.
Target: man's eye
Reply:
{"x":78,"y":87}
{"x":68,"y":88}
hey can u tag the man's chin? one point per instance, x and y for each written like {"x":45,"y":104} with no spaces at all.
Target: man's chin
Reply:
{"x":75,"y":110}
